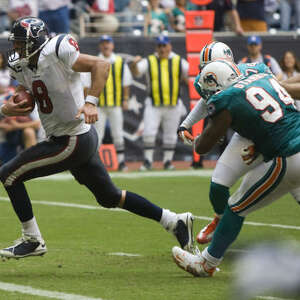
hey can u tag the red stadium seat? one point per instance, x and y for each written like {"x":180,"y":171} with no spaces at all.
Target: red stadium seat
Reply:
{"x":201,"y":2}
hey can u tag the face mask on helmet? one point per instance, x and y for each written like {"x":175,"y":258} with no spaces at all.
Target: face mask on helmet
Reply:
{"x":217,"y":76}
{"x":214,"y":51}
{"x":28,"y":35}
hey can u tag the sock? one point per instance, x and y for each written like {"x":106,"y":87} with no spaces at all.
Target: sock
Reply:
{"x":20,"y":201}
{"x":212,"y":262}
{"x":227,"y":231}
{"x":121,"y":157}
{"x":142,"y":207}
{"x":218,"y":196}
{"x":149,"y":154}
{"x":31,"y":228}
{"x":168,"y":155}
{"x":168,"y":219}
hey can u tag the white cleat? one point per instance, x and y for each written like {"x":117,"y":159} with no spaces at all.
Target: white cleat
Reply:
{"x":197,"y":265}
{"x":24,"y":247}
{"x":183,"y":232}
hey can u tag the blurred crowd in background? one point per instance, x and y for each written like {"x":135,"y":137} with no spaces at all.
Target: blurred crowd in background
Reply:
{"x":151,"y":17}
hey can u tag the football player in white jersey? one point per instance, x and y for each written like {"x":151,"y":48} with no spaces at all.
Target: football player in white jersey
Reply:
{"x":49,"y":69}
{"x":231,"y":165}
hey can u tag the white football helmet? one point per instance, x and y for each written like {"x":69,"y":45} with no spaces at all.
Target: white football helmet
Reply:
{"x":217,"y":76}
{"x":214,"y":51}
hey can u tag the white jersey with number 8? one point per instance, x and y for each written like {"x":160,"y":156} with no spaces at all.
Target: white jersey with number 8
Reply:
{"x":57,"y":89}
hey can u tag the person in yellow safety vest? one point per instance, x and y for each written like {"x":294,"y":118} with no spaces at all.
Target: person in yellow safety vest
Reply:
{"x":114,"y":97}
{"x":164,"y":70}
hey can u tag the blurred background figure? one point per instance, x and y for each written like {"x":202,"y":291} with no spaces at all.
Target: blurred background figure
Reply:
{"x":22,"y":8}
{"x":163,"y":107}
{"x":225,"y":10}
{"x":106,"y":23}
{"x":289,"y":8}
{"x":290,"y":66}
{"x":177,"y":18}
{"x":156,"y":20}
{"x":268,"y":269}
{"x":254,"y":46}
{"x":252,"y":15}
{"x":114,"y":97}
{"x":55,"y":14}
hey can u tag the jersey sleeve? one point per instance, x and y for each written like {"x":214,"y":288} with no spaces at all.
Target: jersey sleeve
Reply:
{"x":218,"y":102}
{"x":68,"y":51}
{"x":17,"y":76}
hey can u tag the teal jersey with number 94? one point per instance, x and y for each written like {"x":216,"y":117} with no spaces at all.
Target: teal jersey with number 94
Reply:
{"x":261,"y":111}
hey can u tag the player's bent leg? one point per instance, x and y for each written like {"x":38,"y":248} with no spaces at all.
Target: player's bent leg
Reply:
{"x":94,"y":175}
{"x":230,"y":167}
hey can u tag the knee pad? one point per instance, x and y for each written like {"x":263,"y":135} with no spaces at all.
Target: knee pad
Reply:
{"x":110,"y":199}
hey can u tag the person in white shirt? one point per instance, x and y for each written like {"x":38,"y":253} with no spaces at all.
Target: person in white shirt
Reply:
{"x":114,"y":97}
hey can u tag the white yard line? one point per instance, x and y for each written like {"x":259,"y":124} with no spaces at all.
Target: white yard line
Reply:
{"x":135,"y":175}
{"x":271,"y":298}
{"x":124,"y":254}
{"x":23,"y":289}
{"x":93,"y":207}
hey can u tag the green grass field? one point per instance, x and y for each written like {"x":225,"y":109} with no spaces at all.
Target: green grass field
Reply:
{"x":81,"y":241}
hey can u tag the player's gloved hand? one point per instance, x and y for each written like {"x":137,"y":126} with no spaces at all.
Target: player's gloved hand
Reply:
{"x":185,"y":136}
{"x":249,"y":154}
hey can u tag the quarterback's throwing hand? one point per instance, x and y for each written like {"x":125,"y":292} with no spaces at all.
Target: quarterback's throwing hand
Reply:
{"x":249,"y":154}
{"x":90,"y":113}
{"x":185,"y":136}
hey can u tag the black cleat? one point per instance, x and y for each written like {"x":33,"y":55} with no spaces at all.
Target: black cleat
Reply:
{"x":25,"y":246}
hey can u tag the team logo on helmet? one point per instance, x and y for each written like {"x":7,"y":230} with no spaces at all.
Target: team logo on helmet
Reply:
{"x":227,"y":52}
{"x":34,"y":26}
{"x":210,"y":79}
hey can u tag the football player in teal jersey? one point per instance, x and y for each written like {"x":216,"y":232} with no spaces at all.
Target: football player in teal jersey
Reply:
{"x":261,"y":110}
{"x":239,"y":157}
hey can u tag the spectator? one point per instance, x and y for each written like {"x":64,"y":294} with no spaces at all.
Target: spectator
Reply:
{"x":56,"y":14}
{"x":22,"y":8}
{"x":156,"y":20}
{"x":222,"y":6}
{"x":252,"y":15}
{"x":287,"y":8}
{"x":177,"y":15}
{"x":290,"y":66}
{"x":254,"y":46}
{"x":107,"y":22}
{"x":4,"y":76}
{"x":4,"y":20}
{"x":114,"y":97}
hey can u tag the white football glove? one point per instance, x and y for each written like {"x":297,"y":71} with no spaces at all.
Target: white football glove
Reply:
{"x":249,"y":154}
{"x":185,"y":136}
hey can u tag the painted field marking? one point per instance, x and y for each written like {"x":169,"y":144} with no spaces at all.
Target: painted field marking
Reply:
{"x":93,"y":207}
{"x":135,"y":175}
{"x":23,"y":289}
{"x":271,"y":298}
{"x":124,"y":254}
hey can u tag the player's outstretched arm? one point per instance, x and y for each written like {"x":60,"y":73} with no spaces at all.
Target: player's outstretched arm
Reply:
{"x":99,"y":70}
{"x":216,"y":128}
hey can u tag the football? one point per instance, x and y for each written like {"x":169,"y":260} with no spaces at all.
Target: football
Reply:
{"x":23,"y":95}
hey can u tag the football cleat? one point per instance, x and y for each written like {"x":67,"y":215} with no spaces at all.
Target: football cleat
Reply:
{"x":168,"y":165}
{"x":197,"y":265}
{"x":122,"y":167}
{"x":206,"y":234}
{"x":146,"y":166}
{"x":25,"y":246}
{"x":183,"y":232}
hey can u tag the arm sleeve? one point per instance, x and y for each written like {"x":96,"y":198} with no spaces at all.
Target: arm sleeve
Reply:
{"x":142,"y":66}
{"x":68,"y":51}
{"x":184,"y":68}
{"x":198,"y":113}
{"x":127,"y":77}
